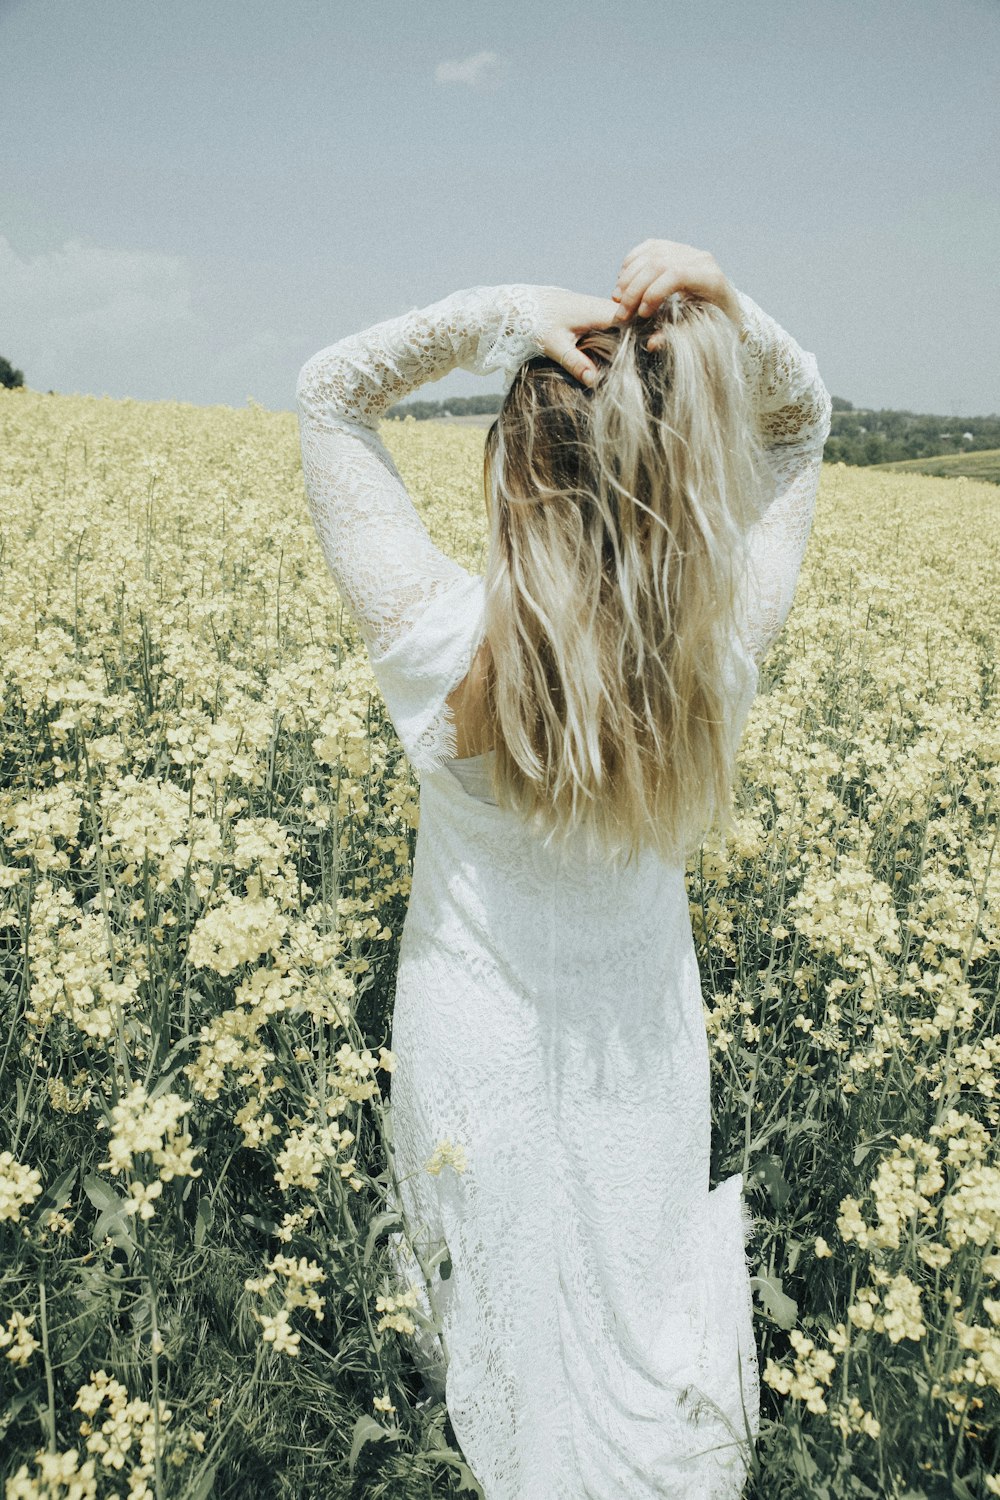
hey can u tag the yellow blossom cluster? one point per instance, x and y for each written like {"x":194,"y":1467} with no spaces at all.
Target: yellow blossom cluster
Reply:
{"x":291,"y":1222}
{"x":121,"y":1442}
{"x":851,"y":1416}
{"x":237,"y":931}
{"x":395,"y":1309}
{"x":63,"y":1100}
{"x":127,"y":1423}
{"x":17,"y":1340}
{"x":19,"y":1186}
{"x":73,"y":967}
{"x":936,"y":1204}
{"x":812,"y":1369}
{"x":57,"y":1476}
{"x":897,"y":1313}
{"x":909,"y":1200}
{"x":141,"y":1125}
{"x":445,"y":1154}
{"x":305,"y":1153}
{"x":299,"y":1282}
{"x":355,"y":1073}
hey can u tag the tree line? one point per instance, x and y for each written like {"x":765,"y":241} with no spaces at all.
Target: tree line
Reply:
{"x":858,"y":435}
{"x":10,"y":377}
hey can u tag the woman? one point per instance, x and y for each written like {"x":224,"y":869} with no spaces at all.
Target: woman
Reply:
{"x":573,"y":716}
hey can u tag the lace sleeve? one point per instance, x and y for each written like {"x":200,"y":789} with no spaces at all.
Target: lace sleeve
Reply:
{"x":377,"y":547}
{"x":418,"y":610}
{"x":793,"y":408}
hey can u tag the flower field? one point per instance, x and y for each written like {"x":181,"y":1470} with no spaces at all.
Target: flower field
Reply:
{"x":206,"y":833}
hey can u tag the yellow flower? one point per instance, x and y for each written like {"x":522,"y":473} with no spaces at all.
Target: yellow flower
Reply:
{"x":276,"y":1331}
{"x":19,"y":1186}
{"x":22,"y":1344}
{"x":393,"y":1309}
{"x":812,"y":1369}
{"x":446,"y":1154}
{"x":142,"y":1198}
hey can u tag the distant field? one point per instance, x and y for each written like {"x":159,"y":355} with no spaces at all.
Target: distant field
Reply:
{"x":982,"y":465}
{"x":472,"y":419}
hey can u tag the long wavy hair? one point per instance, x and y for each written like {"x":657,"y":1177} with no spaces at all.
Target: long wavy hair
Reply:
{"x":614,"y":578}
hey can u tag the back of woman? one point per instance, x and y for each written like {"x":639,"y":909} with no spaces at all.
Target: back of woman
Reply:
{"x":586,"y":1294}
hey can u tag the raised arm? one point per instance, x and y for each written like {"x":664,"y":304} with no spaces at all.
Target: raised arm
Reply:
{"x":793,"y":408}
{"x":378,"y":549}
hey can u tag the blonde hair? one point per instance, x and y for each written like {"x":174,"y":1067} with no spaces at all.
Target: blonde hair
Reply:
{"x":617,"y":519}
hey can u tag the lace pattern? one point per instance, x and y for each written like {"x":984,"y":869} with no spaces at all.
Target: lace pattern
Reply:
{"x":794,"y":411}
{"x":381,"y":555}
{"x":598,"y":1313}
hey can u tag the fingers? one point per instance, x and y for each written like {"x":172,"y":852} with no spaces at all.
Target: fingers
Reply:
{"x":583,"y":369}
{"x":630,"y":289}
{"x":633,"y":255}
{"x":576,"y":363}
{"x":658,"y":291}
{"x":643,"y":290}
{"x":630,"y":264}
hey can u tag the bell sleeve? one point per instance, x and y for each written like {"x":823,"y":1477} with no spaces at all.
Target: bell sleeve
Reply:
{"x":418,"y":610}
{"x":793,"y":411}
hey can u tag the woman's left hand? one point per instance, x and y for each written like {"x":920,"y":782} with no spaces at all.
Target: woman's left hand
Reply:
{"x":565,"y":315}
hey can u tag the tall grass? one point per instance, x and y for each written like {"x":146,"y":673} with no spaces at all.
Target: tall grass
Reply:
{"x":207,"y":833}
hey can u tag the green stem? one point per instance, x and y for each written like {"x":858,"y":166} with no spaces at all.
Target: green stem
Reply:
{"x":154,"y":1362}
{"x":50,"y":1416}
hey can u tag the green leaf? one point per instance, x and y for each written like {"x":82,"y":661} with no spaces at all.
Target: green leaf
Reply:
{"x":441,"y":1259}
{"x":805,"y":1465}
{"x":203,"y":1220}
{"x":467,"y":1480}
{"x":112,"y":1220}
{"x":380,"y":1223}
{"x":101,"y":1194}
{"x":178,"y":1047}
{"x":203,"y":1486}
{"x":862,"y":1149}
{"x":266,"y":1226}
{"x":367,"y":1430}
{"x":768,"y":1171}
{"x":782,"y":1308}
{"x":15,"y":1404}
{"x":114,"y":1225}
{"x":58,"y":1194}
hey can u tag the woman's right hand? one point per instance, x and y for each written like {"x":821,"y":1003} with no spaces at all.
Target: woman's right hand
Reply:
{"x":655,"y":269}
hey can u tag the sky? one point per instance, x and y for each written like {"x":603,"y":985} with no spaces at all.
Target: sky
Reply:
{"x":196,"y":197}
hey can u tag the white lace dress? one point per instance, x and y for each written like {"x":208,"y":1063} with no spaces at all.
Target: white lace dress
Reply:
{"x":597,"y":1318}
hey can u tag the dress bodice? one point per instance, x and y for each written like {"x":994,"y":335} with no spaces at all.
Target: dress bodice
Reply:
{"x":473,"y":771}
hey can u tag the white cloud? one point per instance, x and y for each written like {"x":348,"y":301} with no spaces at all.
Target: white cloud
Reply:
{"x":479,"y":67}
{"x":86,"y":316}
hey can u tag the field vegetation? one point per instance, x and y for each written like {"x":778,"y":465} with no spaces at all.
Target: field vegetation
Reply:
{"x":206,"y":835}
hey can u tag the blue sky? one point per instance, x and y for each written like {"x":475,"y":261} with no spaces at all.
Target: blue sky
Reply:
{"x":198,"y":195}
